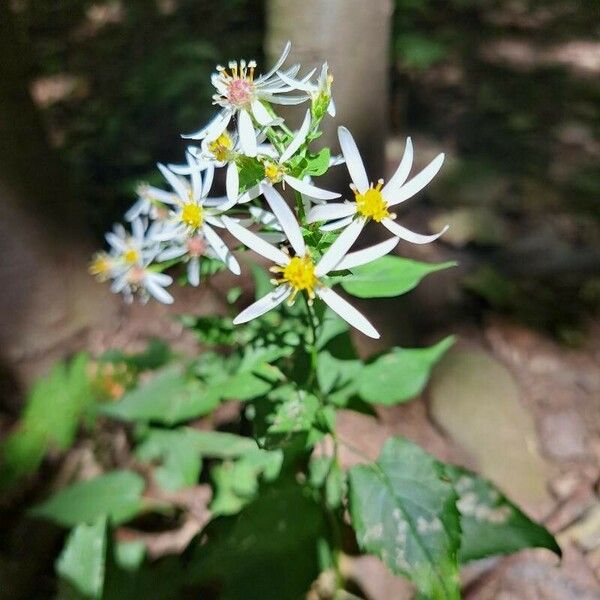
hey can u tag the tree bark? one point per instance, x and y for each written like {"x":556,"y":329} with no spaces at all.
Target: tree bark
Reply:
{"x":353,"y":36}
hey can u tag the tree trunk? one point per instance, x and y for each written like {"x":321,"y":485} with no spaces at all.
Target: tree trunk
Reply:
{"x":353,"y":36}
{"x":47,"y":295}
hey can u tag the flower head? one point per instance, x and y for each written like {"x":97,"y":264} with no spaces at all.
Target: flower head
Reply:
{"x":374,"y":202}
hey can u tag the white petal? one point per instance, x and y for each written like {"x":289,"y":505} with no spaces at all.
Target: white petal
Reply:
{"x":295,"y":83}
{"x":213,"y":129}
{"x":174,"y":181}
{"x":261,"y":114}
{"x":250,"y":194}
{"x":162,"y":196}
{"x":157,"y":291}
{"x":309,"y":189}
{"x":417,"y":183}
{"x":116,"y":242}
{"x":286,"y":218}
{"x":138,"y":230}
{"x":246,"y":133}
{"x":195,"y":177}
{"x":193,"y":271}
{"x":252,"y":241}
{"x":354,"y":162}
{"x":335,"y":225}
{"x":327,"y":212}
{"x":362,"y":257}
{"x":278,"y":63}
{"x":411,"y":236}
{"x":345,"y":310}
{"x":297,"y":140}
{"x":232,"y":182}
{"x":221,"y":250}
{"x":401,"y":174}
{"x":209,"y":175}
{"x":284,"y":100}
{"x":171,"y":253}
{"x":264,"y":217}
{"x":161,"y":278}
{"x":340,"y":247}
{"x":331,"y":110}
{"x":265,"y":304}
{"x":136,"y":209}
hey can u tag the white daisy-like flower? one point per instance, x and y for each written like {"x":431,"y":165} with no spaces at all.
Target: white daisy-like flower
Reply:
{"x":300,"y":273}
{"x":191,"y":250}
{"x":240,"y":94}
{"x":277,"y":170}
{"x":196,"y":215}
{"x":129,"y":249}
{"x":319,"y":92}
{"x":149,"y":203}
{"x":141,"y":281}
{"x":373,"y":202}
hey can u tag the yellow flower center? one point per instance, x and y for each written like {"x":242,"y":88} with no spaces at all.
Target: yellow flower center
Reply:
{"x":274,"y":171}
{"x":221,"y":147}
{"x":371,"y":204}
{"x":191,"y":215}
{"x":100,"y":266}
{"x":131,"y":256}
{"x":299,"y":273}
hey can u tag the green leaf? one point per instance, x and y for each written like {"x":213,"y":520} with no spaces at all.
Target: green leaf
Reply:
{"x":82,"y":561}
{"x":490,"y":523}
{"x":318,"y":164}
{"x":156,"y":355}
{"x":236,"y":483}
{"x":181,"y":450}
{"x":130,"y":555}
{"x":212,"y":329}
{"x":296,"y":412}
{"x":170,"y":397}
{"x":404,"y":512}
{"x":54,"y":408}
{"x":117,"y":495}
{"x":177,"y":451}
{"x":388,"y":276}
{"x":400,"y":374}
{"x":268,"y":551}
{"x":262,"y":281}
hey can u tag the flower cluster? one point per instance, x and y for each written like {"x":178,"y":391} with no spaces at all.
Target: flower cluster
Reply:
{"x":261,"y":158}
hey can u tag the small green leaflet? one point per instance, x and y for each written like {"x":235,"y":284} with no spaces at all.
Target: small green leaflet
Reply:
{"x":405,"y":512}
{"x":117,"y":495}
{"x":170,"y":397}
{"x":490,"y":523}
{"x":388,"y":276}
{"x":401,"y":374}
{"x":82,"y":561}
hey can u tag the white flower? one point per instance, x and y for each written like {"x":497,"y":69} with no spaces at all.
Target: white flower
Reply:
{"x":318,"y":92}
{"x":190,"y":250}
{"x":144,"y":282}
{"x":194,"y":214}
{"x":239,"y":93}
{"x":374,"y":202}
{"x":300,"y":274}
{"x":129,"y":249}
{"x":150,"y":200}
{"x":276,"y":170}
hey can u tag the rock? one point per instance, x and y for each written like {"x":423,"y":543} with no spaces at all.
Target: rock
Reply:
{"x":476,"y":400}
{"x":563,"y":435}
{"x":529,"y":579}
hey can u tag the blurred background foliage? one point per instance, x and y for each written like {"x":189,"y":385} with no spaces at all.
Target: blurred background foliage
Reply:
{"x":509,"y":87}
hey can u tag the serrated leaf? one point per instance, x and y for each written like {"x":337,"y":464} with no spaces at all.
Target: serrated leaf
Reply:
{"x":388,"y":276}
{"x":404,"y":511}
{"x":170,"y":398}
{"x":490,"y":523}
{"x":82,"y":561}
{"x":400,"y":374}
{"x":117,"y":495}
